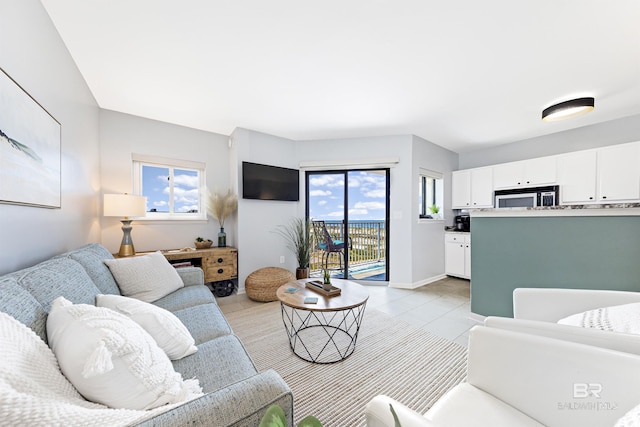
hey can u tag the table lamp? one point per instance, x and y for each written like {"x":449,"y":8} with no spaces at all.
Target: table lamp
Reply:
{"x":125,"y":205}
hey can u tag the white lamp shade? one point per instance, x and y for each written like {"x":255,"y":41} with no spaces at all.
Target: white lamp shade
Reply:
{"x":124,"y":205}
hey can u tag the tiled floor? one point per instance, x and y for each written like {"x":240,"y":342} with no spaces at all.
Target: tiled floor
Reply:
{"x":442,"y":307}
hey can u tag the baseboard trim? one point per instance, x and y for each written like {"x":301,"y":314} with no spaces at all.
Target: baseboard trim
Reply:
{"x":417,"y":284}
{"x":477,"y":317}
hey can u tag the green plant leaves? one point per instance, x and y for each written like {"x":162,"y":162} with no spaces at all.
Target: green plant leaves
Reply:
{"x":274,"y":417}
{"x":296,"y":234}
{"x":310,"y":421}
{"x":395,"y":416}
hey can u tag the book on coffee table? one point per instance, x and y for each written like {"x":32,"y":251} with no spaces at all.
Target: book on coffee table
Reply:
{"x":316,"y":286}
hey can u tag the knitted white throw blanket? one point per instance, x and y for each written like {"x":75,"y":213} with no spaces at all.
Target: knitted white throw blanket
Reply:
{"x":619,"y":318}
{"x":34,"y":392}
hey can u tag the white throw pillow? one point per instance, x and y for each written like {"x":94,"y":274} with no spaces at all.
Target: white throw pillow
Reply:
{"x":165,"y":328}
{"x":618,"y":318}
{"x":34,"y":392}
{"x":630,"y":419}
{"x":147,"y":277}
{"x":111,"y":360}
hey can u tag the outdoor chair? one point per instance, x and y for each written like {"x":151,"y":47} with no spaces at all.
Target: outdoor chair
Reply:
{"x":327,"y":244}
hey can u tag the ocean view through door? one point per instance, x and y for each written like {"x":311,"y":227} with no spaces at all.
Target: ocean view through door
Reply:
{"x":349,"y":215}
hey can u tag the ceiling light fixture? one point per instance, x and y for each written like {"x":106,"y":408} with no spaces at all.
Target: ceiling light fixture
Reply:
{"x":568,"y":109}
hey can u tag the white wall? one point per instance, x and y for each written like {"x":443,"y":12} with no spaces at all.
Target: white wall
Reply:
{"x":258,"y":245}
{"x":599,"y":135}
{"x":416,"y":251}
{"x":123,"y":134}
{"x":427,"y":242}
{"x":33,"y":54}
{"x":338,"y":150}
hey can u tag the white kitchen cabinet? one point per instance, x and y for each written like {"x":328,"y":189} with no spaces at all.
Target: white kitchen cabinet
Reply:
{"x":578,"y":177}
{"x":467,"y":258}
{"x":619,"y":173}
{"x":604,"y":175}
{"x":541,"y":171}
{"x":472,"y":188}
{"x":508,"y":175}
{"x":526,"y":173}
{"x":482,"y":188}
{"x":461,"y":189}
{"x":457,"y":255}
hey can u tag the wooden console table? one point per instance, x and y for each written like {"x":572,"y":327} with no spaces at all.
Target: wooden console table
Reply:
{"x":218,"y":264}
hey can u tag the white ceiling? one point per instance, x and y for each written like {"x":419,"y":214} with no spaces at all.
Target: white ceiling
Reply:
{"x":464,"y":74}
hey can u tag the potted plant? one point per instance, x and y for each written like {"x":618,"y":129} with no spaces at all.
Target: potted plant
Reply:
{"x":203,"y":243}
{"x":326,"y":280}
{"x":434,"y":210}
{"x":220,"y":206}
{"x":298,"y":237}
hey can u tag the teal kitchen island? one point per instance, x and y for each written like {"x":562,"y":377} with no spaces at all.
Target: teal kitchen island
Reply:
{"x":579,"y":247}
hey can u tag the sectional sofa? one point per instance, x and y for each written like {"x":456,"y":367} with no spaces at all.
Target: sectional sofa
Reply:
{"x":235,"y":394}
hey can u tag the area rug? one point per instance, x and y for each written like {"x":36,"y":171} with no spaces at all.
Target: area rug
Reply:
{"x":391,"y":357}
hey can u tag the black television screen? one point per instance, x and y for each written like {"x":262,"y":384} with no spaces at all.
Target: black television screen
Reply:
{"x":270,"y":182}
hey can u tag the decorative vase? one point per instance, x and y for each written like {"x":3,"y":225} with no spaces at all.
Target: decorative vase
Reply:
{"x":302,"y":273}
{"x":222,"y":238}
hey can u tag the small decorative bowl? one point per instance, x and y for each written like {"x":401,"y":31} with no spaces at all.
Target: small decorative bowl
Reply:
{"x":204,"y":244}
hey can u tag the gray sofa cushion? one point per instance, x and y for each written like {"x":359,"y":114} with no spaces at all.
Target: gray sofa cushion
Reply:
{"x":59,"y":277}
{"x":191,"y":275}
{"x":186,"y":297}
{"x":17,"y":302}
{"x":91,"y":257}
{"x":217,"y":363}
{"x":205,"y":322}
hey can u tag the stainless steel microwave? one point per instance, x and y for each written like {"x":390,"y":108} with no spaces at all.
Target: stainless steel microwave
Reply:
{"x":527,"y":197}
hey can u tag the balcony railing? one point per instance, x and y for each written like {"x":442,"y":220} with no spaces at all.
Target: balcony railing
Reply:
{"x":367,"y":240}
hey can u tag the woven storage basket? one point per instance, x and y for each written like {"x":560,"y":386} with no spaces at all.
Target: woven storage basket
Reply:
{"x":261,"y":285}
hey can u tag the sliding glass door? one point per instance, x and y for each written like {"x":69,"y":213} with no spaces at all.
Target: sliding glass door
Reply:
{"x":349,"y":213}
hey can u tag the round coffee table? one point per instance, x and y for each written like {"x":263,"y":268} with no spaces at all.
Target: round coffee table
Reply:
{"x":325,"y":331}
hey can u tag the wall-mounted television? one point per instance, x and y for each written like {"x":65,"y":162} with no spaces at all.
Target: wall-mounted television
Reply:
{"x":266,"y":182}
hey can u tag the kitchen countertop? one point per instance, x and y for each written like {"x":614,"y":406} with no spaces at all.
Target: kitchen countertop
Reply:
{"x":454,"y":231}
{"x":614,"y":209}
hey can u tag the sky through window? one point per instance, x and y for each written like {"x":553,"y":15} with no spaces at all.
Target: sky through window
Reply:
{"x":367,"y":192}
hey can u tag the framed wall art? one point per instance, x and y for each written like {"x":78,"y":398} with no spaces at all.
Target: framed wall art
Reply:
{"x":29,"y":149}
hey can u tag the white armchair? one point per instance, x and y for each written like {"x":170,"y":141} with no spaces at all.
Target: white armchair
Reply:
{"x":519,"y":379}
{"x":536,"y":311}
{"x":551,"y":305}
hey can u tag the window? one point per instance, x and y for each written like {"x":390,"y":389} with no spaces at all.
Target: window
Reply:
{"x":173,"y":188}
{"x":430,"y":195}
